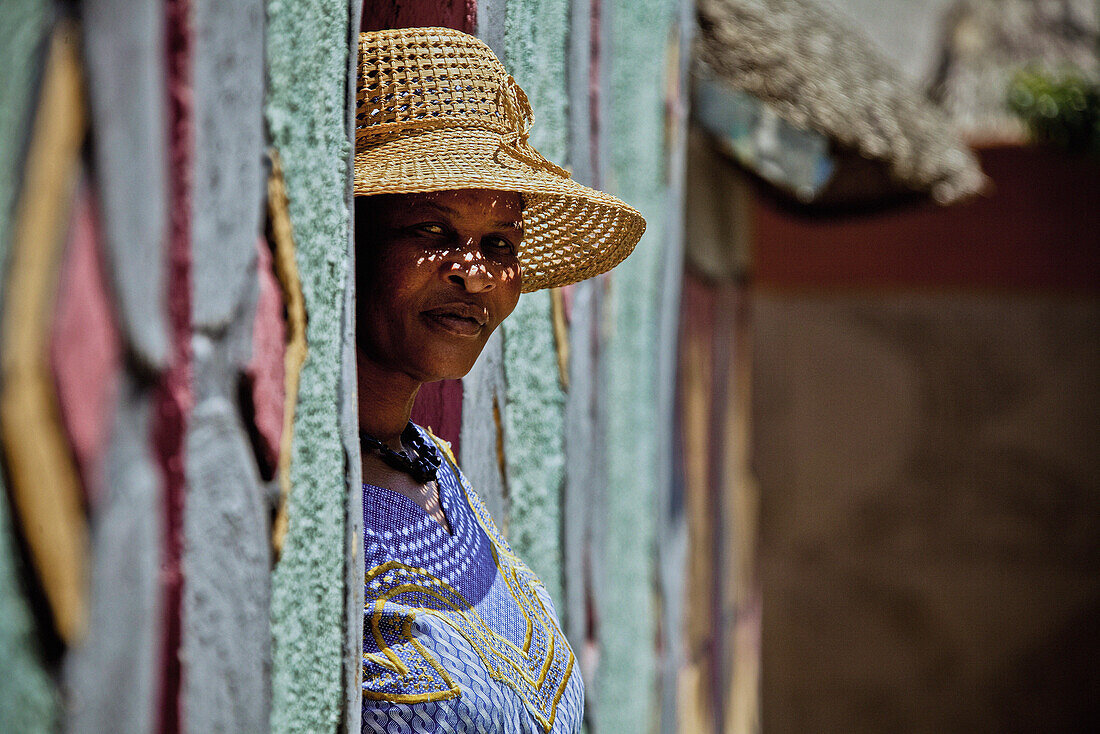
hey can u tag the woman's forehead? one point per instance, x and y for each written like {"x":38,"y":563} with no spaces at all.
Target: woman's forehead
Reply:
{"x":498,"y":208}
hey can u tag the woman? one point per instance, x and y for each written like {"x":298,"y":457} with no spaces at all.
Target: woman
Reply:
{"x":456,"y":214}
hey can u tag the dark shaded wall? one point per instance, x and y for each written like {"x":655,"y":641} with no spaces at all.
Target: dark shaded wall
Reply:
{"x":925,"y":408}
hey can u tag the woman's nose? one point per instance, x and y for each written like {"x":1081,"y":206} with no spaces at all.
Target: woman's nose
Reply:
{"x":471,"y":270}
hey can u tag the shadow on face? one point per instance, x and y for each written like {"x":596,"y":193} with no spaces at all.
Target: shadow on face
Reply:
{"x":436,"y":274}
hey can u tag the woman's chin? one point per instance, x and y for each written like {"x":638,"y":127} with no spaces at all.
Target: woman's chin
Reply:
{"x":449,"y":367}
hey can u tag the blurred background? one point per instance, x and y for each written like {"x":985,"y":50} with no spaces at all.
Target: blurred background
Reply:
{"x":820,"y":456}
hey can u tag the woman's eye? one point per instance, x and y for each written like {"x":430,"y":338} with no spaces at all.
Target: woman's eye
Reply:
{"x":500,"y":244}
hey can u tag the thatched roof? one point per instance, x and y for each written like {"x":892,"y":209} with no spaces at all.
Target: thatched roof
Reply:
{"x":821,"y":75}
{"x":986,"y":42}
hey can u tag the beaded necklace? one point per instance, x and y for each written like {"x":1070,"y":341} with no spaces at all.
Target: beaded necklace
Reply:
{"x":418,"y":459}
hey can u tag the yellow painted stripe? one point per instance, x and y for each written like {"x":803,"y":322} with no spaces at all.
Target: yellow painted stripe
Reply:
{"x":561,"y":334}
{"x":44,"y":483}
{"x":286,"y":271}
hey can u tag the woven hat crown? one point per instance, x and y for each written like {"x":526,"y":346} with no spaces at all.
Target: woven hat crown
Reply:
{"x":434,"y":79}
{"x":439,"y":80}
{"x":436,"y":110}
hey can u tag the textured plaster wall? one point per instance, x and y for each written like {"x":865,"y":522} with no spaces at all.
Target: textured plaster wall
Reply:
{"x":307,"y":54}
{"x":583,"y":434}
{"x":302,"y":674}
{"x":226,"y":555}
{"x":119,"y":673}
{"x":23,"y":26}
{"x":536,"y":39}
{"x":635,"y":36}
{"x":28,"y":700}
{"x":534,"y":53}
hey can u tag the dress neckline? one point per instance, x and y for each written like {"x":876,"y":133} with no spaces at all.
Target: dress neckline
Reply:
{"x":445,"y":480}
{"x":394,"y":497}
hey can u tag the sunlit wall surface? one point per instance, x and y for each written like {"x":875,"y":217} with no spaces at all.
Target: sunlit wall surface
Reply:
{"x":180,"y":533}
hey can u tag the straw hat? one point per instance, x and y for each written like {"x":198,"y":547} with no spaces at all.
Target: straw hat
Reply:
{"x":435,"y":110}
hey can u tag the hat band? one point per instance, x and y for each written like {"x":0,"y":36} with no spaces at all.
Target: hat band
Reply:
{"x":512,"y":142}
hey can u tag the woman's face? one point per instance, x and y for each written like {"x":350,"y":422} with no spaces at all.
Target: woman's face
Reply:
{"x":437,"y":273}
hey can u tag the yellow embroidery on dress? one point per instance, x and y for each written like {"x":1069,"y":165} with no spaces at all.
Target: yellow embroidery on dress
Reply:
{"x":502,"y":659}
{"x":503,"y":552}
{"x":407,"y":679}
{"x":500,"y":548}
{"x":484,"y":634}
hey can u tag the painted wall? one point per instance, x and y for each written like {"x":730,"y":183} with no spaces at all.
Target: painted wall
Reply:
{"x":565,"y":433}
{"x":29,"y":701}
{"x":535,"y":53}
{"x":174,"y":213}
{"x":307,"y":115}
{"x":641,"y":162}
{"x":157,"y":386}
{"x":584,"y":467}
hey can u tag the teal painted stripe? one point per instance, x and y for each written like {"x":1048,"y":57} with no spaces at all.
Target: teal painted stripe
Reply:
{"x":307,"y":57}
{"x":23,"y":26}
{"x":534,"y":413}
{"x":635,"y":58}
{"x":28,"y":697}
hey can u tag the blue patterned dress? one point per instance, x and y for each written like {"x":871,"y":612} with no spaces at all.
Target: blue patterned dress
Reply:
{"x":458,"y":634}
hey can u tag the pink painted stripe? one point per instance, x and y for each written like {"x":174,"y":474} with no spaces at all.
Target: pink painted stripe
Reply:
{"x":85,"y":346}
{"x":458,"y":14}
{"x":173,"y":399}
{"x":439,"y":406}
{"x":594,"y":92}
{"x":265,"y":374}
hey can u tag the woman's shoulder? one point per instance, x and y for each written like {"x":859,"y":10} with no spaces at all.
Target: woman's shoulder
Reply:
{"x":469,"y":493}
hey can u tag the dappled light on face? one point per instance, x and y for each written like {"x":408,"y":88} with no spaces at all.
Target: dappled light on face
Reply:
{"x":433,"y":257}
{"x":438,"y":275}
{"x":473,"y":267}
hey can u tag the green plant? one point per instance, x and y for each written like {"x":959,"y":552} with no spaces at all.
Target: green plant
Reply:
{"x":1059,"y":109}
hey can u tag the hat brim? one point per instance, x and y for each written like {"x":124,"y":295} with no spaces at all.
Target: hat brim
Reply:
{"x":570,"y":232}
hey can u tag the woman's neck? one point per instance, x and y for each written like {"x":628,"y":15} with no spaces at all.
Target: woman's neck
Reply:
{"x":385,"y":401}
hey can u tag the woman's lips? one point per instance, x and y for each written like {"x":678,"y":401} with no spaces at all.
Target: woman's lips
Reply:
{"x":453,"y":323}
